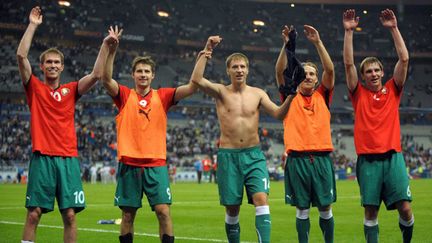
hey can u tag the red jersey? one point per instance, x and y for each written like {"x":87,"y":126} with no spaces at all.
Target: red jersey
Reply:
{"x":377,"y":125}
{"x":52,"y":117}
{"x":143,"y":157}
{"x":206,"y":164}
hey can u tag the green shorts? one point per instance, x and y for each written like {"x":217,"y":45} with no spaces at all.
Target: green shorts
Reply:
{"x":383,"y":177}
{"x":309,"y":179}
{"x":52,"y":177}
{"x":133,"y":181}
{"x":238,"y":168}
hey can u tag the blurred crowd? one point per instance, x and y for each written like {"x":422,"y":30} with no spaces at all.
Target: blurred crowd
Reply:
{"x":174,"y":40}
{"x":417,"y":156}
{"x":192,"y":20}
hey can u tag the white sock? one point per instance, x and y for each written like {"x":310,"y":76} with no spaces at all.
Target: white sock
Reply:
{"x":262,"y":210}
{"x":370,"y":223}
{"x":302,"y":213}
{"x":326,"y":214}
{"x":408,"y":223}
{"x":231,"y":220}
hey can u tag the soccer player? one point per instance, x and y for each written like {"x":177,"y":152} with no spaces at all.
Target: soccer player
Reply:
{"x":141,"y":140}
{"x":241,"y":162}
{"x":206,"y":168}
{"x":213,"y":170}
{"x":198,"y":168}
{"x":309,"y":173}
{"x":377,"y":129}
{"x":54,"y":171}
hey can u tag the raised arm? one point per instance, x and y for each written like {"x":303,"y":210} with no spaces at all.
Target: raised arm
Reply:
{"x":328,"y":76}
{"x":350,"y":22}
{"x":25,"y":43}
{"x":184,"y":91}
{"x":110,"y":44}
{"x":278,"y":112}
{"x":88,"y":81}
{"x":282,"y":60}
{"x":197,"y":78}
{"x":388,"y":20}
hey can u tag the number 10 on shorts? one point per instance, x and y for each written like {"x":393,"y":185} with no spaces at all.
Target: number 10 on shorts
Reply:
{"x":79,"y":197}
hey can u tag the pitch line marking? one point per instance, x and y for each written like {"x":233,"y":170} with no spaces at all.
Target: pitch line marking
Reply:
{"x":116,"y":232}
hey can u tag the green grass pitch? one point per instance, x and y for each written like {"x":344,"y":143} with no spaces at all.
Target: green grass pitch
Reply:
{"x":198,"y":217}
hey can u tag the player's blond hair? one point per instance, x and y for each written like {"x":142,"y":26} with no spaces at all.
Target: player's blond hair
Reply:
{"x":312,"y":65}
{"x":368,"y":61}
{"x":49,"y":51}
{"x":236,"y":56}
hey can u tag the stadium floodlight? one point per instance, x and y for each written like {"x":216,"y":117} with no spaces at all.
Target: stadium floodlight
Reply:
{"x":292,"y":5}
{"x":163,"y":14}
{"x":258,"y":23}
{"x":365,"y":11}
{"x":64,"y":3}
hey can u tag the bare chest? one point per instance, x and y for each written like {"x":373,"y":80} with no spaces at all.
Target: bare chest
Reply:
{"x":243,"y":105}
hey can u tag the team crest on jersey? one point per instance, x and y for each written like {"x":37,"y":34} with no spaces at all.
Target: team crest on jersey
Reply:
{"x":65,"y":91}
{"x":143,"y":103}
{"x":383,"y":91}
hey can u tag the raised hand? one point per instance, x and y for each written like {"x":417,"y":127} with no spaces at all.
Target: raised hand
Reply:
{"x":350,"y":21}
{"x":311,"y":34}
{"x":285,"y":33}
{"x":212,"y":42}
{"x":288,"y":33}
{"x":36,"y":15}
{"x":388,"y":18}
{"x":112,"y":40}
{"x":207,"y":54}
{"x":289,"y":36}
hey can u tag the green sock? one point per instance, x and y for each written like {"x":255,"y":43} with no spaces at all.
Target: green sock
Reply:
{"x":406,"y":232}
{"x":327,"y":228}
{"x":371,"y":233}
{"x":263,"y":227}
{"x":303,"y":226}
{"x":233,"y":232}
